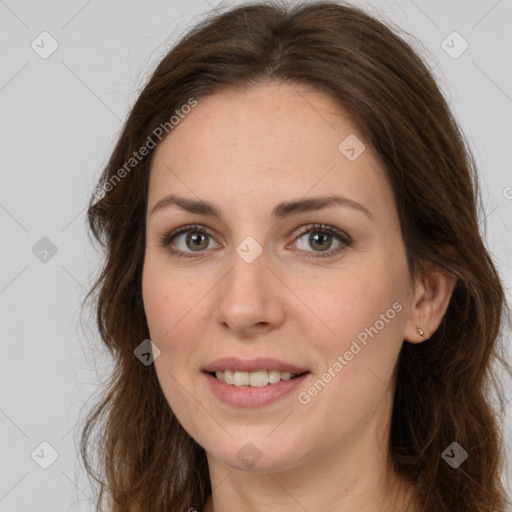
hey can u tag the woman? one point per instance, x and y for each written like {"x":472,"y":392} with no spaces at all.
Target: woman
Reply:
{"x":301,"y":309}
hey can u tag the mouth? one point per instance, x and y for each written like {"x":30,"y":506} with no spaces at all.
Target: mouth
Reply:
{"x":255,"y":373}
{"x":254,"y":379}
{"x":255,"y":388}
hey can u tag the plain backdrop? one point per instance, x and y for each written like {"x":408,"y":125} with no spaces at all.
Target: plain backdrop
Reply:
{"x":70,"y":71}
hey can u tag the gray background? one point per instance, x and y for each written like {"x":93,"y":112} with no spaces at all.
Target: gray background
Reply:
{"x":60,"y":116}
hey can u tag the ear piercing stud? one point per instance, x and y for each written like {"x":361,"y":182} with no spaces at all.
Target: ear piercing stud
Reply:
{"x":421,"y":332}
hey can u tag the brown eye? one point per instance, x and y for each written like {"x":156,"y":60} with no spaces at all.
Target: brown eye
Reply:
{"x":321,"y":239}
{"x":196,"y":241}
{"x":186,"y":240}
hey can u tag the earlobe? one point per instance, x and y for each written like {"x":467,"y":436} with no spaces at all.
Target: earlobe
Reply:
{"x":432,"y":297}
{"x":421,"y":333}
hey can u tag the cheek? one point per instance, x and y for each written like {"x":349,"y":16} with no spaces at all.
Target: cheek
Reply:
{"x":170,"y":304}
{"x":157,"y":304}
{"x":176,"y":307}
{"x":356,"y":299}
{"x":168,"y":298}
{"x":363,"y":313}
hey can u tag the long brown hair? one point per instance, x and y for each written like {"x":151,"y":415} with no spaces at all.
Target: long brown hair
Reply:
{"x":148,"y":462}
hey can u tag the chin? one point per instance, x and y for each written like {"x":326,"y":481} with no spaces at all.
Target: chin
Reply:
{"x":257,"y":454}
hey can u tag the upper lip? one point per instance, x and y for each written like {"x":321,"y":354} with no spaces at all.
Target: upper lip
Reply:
{"x":252,"y":365}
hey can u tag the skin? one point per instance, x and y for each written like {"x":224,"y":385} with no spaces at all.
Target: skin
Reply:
{"x":245,"y":152}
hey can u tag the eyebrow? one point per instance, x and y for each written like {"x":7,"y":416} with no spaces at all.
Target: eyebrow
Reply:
{"x":280,"y":211}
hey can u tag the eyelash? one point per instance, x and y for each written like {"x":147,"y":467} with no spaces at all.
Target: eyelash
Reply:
{"x":166,"y":240}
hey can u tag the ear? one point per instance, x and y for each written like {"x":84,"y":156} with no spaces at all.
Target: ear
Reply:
{"x":432,"y":293}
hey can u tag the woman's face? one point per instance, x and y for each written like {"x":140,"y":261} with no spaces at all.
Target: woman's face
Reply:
{"x":265,"y":283}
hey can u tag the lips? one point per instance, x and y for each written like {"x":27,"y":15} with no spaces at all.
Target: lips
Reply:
{"x":252,"y":397}
{"x":253,"y":365}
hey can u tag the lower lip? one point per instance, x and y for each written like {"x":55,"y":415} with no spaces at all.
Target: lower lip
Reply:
{"x":247,"y":396}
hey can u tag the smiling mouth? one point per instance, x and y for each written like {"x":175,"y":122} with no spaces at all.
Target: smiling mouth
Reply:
{"x":254,"y":379}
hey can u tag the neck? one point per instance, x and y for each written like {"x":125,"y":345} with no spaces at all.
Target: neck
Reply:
{"x":354,"y":475}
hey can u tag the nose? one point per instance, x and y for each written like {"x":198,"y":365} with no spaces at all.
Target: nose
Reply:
{"x":250,"y":299}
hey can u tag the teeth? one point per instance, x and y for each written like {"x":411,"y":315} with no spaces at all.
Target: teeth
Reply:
{"x":228,"y":378}
{"x":253,"y":379}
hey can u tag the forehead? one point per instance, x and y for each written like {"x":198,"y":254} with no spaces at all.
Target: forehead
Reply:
{"x":271,"y":140}
{"x":279,"y":117}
